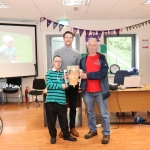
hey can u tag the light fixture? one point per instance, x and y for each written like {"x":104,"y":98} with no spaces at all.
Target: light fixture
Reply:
{"x":64,"y":22}
{"x":2,"y":5}
{"x":147,"y":2}
{"x":75,"y":2}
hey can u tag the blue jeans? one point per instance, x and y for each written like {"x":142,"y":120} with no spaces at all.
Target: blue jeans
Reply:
{"x":89,"y":98}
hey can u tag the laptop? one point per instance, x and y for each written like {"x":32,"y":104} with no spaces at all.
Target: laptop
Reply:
{"x":132,"y":81}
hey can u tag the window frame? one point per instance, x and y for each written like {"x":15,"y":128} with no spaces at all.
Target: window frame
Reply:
{"x":133,"y":40}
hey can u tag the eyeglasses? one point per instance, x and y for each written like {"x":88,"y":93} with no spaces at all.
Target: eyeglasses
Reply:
{"x":57,"y":61}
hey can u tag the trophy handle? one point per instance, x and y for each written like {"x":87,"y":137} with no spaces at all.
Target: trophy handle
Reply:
{"x":80,"y":78}
{"x":66,"y":80}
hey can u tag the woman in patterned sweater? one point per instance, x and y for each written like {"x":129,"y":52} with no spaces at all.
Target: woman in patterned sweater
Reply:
{"x":55,"y":103}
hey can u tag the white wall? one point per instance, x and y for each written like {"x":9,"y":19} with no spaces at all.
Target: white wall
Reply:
{"x":142,"y":55}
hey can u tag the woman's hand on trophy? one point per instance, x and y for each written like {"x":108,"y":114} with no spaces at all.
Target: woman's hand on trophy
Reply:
{"x":64,"y":86}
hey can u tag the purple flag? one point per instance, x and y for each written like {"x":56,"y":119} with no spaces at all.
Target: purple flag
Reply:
{"x":48,"y":22}
{"x":87,"y":32}
{"x":42,"y":19}
{"x":111,"y":32}
{"x":55,"y":25}
{"x":105,"y":33}
{"x":75,"y":30}
{"x":117,"y":31}
{"x":87,"y":37}
{"x":99,"y":33}
{"x":81,"y":31}
{"x":93,"y":32}
{"x":60,"y":27}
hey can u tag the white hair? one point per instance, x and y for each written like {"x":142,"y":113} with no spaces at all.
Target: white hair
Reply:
{"x":92,"y":39}
{"x":7,"y":38}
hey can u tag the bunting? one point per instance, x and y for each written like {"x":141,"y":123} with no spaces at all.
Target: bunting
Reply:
{"x":105,"y":33}
{"x":81,"y":31}
{"x":117,"y":31}
{"x":138,"y":25}
{"x":99,"y":33}
{"x":87,"y":32}
{"x":93,"y":32}
{"x":60,"y":27}
{"x":55,"y":25}
{"x":75,"y":30}
{"x":42,"y":19}
{"x":87,"y":37}
{"x":48,"y":22}
{"x":111,"y":32}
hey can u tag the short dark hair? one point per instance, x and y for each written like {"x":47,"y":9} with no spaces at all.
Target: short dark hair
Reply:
{"x":68,"y":32}
{"x":56,"y":56}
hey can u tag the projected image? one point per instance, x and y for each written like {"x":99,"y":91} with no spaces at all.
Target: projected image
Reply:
{"x":15,"y":48}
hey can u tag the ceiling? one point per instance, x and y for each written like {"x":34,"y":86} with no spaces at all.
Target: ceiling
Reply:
{"x":32,"y":10}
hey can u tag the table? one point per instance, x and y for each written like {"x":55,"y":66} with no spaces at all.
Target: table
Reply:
{"x":131,"y":99}
{"x":79,"y":104}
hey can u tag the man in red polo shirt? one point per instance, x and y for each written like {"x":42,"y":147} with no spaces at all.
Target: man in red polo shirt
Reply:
{"x":95,"y":87}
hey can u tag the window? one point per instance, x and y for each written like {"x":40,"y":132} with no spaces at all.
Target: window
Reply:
{"x":121,"y":50}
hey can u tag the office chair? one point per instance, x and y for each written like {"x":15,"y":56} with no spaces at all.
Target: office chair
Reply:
{"x":15,"y":87}
{"x":39,"y":86}
{"x":119,"y":76}
{"x":119,"y":79}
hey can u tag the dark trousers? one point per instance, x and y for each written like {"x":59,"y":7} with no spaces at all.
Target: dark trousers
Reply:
{"x":72,"y":94}
{"x":52,"y":111}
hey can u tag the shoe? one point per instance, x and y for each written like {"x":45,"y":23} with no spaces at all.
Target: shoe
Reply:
{"x":61,"y":134}
{"x":90,"y":134}
{"x":70,"y":138}
{"x":105,"y":139}
{"x":53,"y":140}
{"x":74,"y":132}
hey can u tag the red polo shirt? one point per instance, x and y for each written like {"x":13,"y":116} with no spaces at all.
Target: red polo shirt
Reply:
{"x":93,"y":65}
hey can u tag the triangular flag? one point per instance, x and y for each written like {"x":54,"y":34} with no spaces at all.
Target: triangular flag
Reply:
{"x":55,"y":25}
{"x":133,"y":27}
{"x":87,"y":32}
{"x":130,"y":27}
{"x":111,"y":32}
{"x":99,"y":33}
{"x":81,"y":31}
{"x":48,"y":22}
{"x":136,"y":25}
{"x":121,"y":29}
{"x":75,"y":30}
{"x":146,"y":22}
{"x":105,"y":33}
{"x":126,"y":28}
{"x":117,"y":31}
{"x":139,"y":25}
{"x":42,"y":19}
{"x":60,"y":27}
{"x":93,"y":33}
{"x":142,"y":23}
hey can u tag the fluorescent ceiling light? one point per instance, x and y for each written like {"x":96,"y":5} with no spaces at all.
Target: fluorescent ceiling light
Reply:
{"x":147,"y":2}
{"x":75,"y":2}
{"x":2,"y":5}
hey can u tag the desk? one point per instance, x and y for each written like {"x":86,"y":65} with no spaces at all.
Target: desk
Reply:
{"x":79,"y":104}
{"x":133,"y":99}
